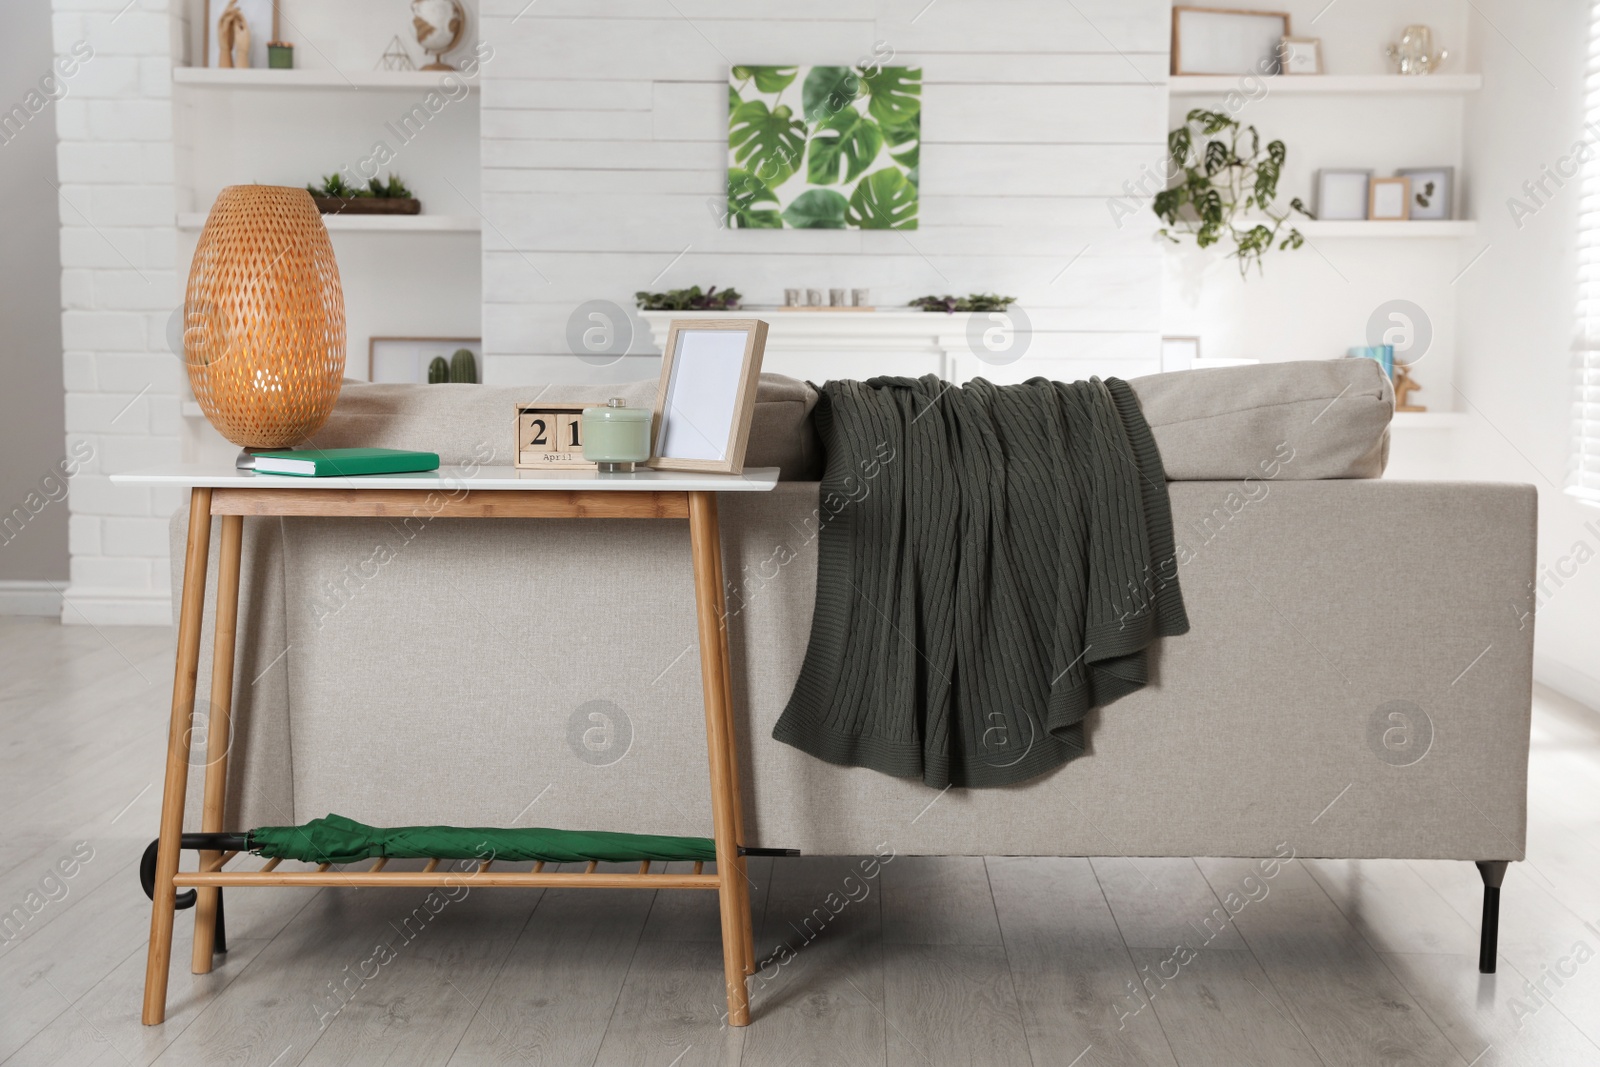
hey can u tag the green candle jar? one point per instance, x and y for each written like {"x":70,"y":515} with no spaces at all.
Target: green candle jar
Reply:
{"x":616,"y":436}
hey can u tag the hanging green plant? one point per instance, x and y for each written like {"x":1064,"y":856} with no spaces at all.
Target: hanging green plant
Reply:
{"x":1225,"y":195}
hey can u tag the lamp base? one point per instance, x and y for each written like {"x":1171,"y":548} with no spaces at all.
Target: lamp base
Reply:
{"x":246,"y":460}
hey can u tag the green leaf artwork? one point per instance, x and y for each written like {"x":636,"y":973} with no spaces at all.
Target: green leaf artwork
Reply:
{"x":746,"y":194}
{"x":817,"y":209}
{"x":845,"y":138}
{"x":827,"y":90}
{"x":894,"y":94}
{"x":767,"y":79}
{"x":768,"y":143}
{"x":827,"y":147}
{"x":884,"y":200}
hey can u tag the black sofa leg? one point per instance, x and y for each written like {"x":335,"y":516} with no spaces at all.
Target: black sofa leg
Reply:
{"x":1493,"y":872}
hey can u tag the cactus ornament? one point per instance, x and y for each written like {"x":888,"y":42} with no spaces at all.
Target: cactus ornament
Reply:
{"x":438,"y":371}
{"x":463,"y":368}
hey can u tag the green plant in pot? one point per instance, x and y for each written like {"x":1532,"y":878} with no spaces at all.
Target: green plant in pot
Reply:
{"x":690,"y":299}
{"x":971,"y":302}
{"x":1226,"y":190}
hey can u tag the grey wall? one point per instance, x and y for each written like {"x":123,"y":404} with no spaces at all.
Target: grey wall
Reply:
{"x":31,"y":419}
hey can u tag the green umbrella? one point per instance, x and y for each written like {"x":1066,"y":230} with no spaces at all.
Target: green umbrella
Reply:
{"x":336,"y":839}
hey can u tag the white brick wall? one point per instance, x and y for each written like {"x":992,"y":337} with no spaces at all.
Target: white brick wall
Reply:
{"x":119,"y":285}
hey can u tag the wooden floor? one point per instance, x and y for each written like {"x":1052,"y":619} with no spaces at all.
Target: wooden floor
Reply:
{"x":935,"y":961}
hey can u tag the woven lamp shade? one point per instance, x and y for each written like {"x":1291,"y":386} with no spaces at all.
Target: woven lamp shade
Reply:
{"x":264,"y":317}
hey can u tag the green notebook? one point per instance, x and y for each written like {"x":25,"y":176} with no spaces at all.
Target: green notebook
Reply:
{"x":344,"y":462}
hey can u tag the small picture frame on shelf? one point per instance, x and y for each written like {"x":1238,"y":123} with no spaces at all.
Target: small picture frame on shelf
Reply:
{"x":1179,"y":353}
{"x":1389,"y":199}
{"x":707,"y":395}
{"x":405,"y":360}
{"x":1215,"y":40}
{"x":1432,"y":191}
{"x":260,"y":17}
{"x":1342,"y":194}
{"x":1300,"y":55}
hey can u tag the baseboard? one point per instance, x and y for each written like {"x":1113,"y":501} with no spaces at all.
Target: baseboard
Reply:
{"x":19,"y":597}
{"x":1568,"y":681}
{"x":116,"y":607}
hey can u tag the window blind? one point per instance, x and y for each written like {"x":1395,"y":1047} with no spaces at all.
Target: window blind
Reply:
{"x":1583,"y":472}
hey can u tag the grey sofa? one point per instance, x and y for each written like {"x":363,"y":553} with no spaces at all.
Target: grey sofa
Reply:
{"x":1356,"y":682}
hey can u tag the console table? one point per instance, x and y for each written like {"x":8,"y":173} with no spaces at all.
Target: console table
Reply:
{"x":488,"y":493}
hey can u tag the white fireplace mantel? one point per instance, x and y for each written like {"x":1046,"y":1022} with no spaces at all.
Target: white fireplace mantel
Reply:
{"x":819,"y":345}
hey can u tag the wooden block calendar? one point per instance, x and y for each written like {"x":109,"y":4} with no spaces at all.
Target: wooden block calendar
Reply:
{"x":550,"y":437}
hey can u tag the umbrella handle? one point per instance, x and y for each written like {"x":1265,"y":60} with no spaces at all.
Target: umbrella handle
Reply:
{"x":219,"y":842}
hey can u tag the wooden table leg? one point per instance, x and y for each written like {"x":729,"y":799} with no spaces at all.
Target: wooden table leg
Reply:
{"x":732,"y":737}
{"x":218,"y":727}
{"x":177,"y":778}
{"x":734,"y":892}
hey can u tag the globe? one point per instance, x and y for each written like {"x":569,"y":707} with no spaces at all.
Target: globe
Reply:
{"x":439,"y":25}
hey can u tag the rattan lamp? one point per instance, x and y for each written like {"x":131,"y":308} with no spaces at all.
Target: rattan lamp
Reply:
{"x":264,"y":319}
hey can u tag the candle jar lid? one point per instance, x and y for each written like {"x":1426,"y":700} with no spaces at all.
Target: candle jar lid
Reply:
{"x":617,"y":410}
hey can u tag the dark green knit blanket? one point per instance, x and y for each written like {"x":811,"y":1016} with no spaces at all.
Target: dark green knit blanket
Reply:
{"x":994,"y":561}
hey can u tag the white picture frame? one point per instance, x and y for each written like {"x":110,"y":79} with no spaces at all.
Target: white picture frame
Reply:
{"x":1300,"y":55}
{"x":1216,"y":40}
{"x":404,"y":360}
{"x":1342,"y":194}
{"x":1390,"y":199}
{"x":260,"y":15}
{"x":1437,"y":202}
{"x":707,"y":395}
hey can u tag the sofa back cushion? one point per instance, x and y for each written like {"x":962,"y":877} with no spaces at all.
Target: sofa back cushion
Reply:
{"x":1225,"y":423}
{"x":1218,"y":424}
{"x":478,"y":422}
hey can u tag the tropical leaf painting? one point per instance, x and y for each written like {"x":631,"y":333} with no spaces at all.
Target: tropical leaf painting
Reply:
{"x":824,"y":147}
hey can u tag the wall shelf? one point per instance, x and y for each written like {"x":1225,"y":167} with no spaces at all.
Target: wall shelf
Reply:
{"x":258,"y":78}
{"x":1429,"y":420}
{"x":196,"y":220}
{"x":1409,"y":230}
{"x":1321,"y":84}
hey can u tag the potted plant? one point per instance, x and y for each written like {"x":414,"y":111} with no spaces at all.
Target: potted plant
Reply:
{"x":690,"y":299}
{"x":335,"y":196}
{"x":1227,"y":185}
{"x":971,"y":302}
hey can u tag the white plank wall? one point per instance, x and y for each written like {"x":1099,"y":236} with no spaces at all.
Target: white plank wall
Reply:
{"x":605,"y":154}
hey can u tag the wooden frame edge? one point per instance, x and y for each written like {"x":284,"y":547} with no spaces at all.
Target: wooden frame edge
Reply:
{"x":1283,"y":51}
{"x":744,"y":402}
{"x":1175,"y":64}
{"x":1405,"y":198}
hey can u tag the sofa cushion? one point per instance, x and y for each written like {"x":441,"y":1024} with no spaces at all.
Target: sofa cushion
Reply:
{"x":466,"y":422}
{"x":1222,"y":423}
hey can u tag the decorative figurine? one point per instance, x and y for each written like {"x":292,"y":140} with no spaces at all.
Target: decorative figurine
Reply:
{"x":395,"y":57}
{"x":1414,"y":54}
{"x":233,"y":37}
{"x":439,"y":25}
{"x":1404,"y":386}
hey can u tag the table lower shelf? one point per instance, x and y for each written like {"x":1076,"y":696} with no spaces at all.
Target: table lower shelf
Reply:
{"x":474,"y":875}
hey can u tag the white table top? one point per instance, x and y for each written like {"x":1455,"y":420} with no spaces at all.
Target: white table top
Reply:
{"x":207,"y":476}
